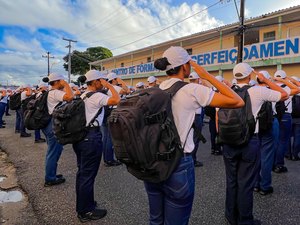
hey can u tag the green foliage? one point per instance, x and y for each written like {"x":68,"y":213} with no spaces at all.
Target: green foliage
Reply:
{"x":80,"y":60}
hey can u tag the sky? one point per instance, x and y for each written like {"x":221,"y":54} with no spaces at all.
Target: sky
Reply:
{"x":29,"y":29}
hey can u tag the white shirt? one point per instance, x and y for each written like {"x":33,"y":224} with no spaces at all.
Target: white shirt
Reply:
{"x":184,"y":104}
{"x":23,"y":95}
{"x":259,"y":95}
{"x":92,"y":106}
{"x":54,"y":98}
{"x":199,"y":111}
{"x":117,"y":88}
{"x":4,"y":99}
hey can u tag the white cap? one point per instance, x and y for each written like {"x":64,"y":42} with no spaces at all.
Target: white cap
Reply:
{"x":193,"y":76}
{"x":111,"y":76}
{"x":234,"y":81}
{"x":151,"y":79}
{"x":266,"y":74}
{"x":176,"y":56}
{"x":219,"y":78}
{"x":140,"y":84}
{"x":252,"y":82}
{"x":42,"y":84}
{"x":280,"y":73}
{"x":243,"y":68}
{"x":55,"y":76}
{"x":94,"y":75}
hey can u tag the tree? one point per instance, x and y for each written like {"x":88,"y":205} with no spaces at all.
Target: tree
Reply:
{"x":80,"y":60}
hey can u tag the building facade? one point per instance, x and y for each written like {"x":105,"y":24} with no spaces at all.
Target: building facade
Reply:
{"x":272,"y":41}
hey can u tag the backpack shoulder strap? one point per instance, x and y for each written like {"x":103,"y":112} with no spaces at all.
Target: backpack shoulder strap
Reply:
{"x":175,"y":87}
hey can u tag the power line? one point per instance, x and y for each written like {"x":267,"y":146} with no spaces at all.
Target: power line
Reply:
{"x":101,"y":21}
{"x":167,"y":27}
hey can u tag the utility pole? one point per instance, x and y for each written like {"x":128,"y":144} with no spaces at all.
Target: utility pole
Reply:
{"x":69,"y":60}
{"x":48,"y":56}
{"x":241,"y":32}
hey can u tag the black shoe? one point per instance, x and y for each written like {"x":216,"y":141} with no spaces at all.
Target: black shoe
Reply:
{"x":256,"y":189}
{"x":288,"y":157}
{"x":217,"y":152}
{"x":212,"y":151}
{"x":25,"y":135}
{"x":266,"y":192}
{"x":59,"y":176}
{"x":280,"y":169}
{"x":96,"y":214}
{"x":296,"y":158}
{"x":41,"y":140}
{"x":112,"y":163}
{"x":7,"y":114}
{"x":198,"y":164}
{"x":2,"y":127}
{"x":59,"y":180}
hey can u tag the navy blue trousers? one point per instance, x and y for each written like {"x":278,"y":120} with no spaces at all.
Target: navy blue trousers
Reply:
{"x":88,"y":153}
{"x":241,"y":164}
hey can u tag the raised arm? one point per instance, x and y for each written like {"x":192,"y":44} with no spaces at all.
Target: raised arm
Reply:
{"x":226,"y":98}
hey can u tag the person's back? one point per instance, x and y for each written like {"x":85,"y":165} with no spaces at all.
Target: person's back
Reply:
{"x":54,"y":150}
{"x":171,"y":201}
{"x":242,"y":162}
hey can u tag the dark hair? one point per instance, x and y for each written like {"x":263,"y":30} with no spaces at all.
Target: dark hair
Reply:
{"x":81,"y":79}
{"x":162,"y":63}
{"x":45,"y":79}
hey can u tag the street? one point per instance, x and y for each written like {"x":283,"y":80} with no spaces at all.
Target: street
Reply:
{"x":124,"y":196}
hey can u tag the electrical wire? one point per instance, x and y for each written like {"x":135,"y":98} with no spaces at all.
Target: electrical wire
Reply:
{"x":167,"y":27}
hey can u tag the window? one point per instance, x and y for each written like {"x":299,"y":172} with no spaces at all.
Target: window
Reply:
{"x":149,"y":59}
{"x":190,"y":51}
{"x":269,"y":36}
{"x":122,"y":64}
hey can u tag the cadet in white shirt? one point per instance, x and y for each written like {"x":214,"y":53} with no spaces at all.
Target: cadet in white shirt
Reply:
{"x":89,"y":151}
{"x":3,"y":103}
{"x":170,"y":202}
{"x":25,"y":94}
{"x":55,"y":96}
{"x":285,"y":124}
{"x":242,"y":162}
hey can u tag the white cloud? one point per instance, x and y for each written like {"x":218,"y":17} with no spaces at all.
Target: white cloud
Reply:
{"x":105,"y":23}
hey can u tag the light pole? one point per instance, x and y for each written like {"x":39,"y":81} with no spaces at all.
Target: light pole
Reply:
{"x":69,"y":60}
{"x":48,"y":56}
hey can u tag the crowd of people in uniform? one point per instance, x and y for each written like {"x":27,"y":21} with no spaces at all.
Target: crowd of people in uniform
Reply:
{"x":248,"y":168}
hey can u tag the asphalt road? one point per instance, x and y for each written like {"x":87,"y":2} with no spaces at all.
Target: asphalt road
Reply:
{"x":124,"y":196}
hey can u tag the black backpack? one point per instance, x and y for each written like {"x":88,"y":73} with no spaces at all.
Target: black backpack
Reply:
{"x":210,"y":112}
{"x":236,"y":126}
{"x":296,"y":106}
{"x":281,"y":108}
{"x":144,"y":134}
{"x":36,"y":116}
{"x":25,"y":102}
{"x":69,"y":121}
{"x":265,"y":117}
{"x":15,"y":101}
